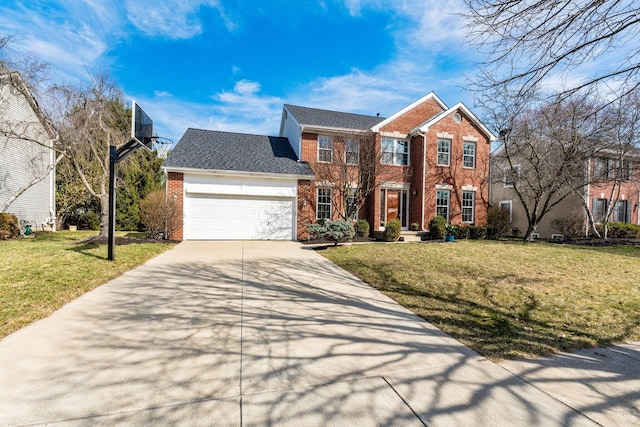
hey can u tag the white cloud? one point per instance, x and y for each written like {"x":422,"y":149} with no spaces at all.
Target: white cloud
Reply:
{"x":162,"y":93}
{"x":175,"y":19}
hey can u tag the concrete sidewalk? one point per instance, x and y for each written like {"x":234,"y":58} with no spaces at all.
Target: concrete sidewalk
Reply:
{"x":259,"y":333}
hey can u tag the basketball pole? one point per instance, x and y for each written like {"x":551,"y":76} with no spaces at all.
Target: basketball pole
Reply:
{"x":116,"y":155}
{"x":112,"y":201}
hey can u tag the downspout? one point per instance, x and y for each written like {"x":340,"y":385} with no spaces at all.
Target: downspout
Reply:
{"x":424,"y":171}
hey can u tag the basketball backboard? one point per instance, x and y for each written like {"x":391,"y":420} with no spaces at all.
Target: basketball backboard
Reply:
{"x":141,"y":126}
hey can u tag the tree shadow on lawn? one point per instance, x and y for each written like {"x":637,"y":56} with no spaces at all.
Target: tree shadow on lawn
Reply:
{"x":495,"y":331}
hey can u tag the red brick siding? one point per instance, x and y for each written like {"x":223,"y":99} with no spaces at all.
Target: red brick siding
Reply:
{"x":175,"y":188}
{"x":306,"y":207}
{"x":455,"y":175}
{"x":414,"y":117}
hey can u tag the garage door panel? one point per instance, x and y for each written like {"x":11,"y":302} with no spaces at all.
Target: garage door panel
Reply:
{"x":222,"y":217}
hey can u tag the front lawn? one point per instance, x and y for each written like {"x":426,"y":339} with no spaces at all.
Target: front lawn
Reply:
{"x":40,"y":274}
{"x":509,"y":299}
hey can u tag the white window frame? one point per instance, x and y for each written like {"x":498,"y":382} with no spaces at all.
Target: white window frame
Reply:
{"x":506,"y":183}
{"x":472,"y":207}
{"x":325,"y":140}
{"x":324,"y":203}
{"x":509,"y":203}
{"x":352,"y":151}
{"x":466,"y":156}
{"x":448,"y":205}
{"x":395,"y":154}
{"x":447,"y":153}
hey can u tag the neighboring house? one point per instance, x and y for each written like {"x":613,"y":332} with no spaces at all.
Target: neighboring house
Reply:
{"x":27,"y":156}
{"x":436,"y":162}
{"x":601,"y":173}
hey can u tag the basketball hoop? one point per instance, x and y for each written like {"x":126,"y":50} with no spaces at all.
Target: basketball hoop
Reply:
{"x":161,"y":145}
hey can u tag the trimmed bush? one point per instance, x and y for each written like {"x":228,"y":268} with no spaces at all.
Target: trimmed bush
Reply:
{"x":89,"y":221}
{"x":9,"y":227}
{"x":622,"y":230}
{"x":362,"y":228}
{"x":497,"y":223}
{"x":336,"y":231}
{"x":392,"y":230}
{"x":437,"y":227}
{"x":477,"y":232}
{"x":570,"y":226}
{"x":461,"y":233}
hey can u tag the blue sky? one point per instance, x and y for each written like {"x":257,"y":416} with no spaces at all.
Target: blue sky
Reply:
{"x":230,"y":65}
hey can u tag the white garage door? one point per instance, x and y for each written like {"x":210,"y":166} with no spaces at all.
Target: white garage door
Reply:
{"x":221,"y":217}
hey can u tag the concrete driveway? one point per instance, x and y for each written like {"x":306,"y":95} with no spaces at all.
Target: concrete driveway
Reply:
{"x":254,"y":333}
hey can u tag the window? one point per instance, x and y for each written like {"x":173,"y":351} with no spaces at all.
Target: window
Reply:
{"x":469,"y":155}
{"x":352,"y":149}
{"x":444,"y":152}
{"x":442,"y":203}
{"x":325,"y":149}
{"x":598,"y":209}
{"x":506,"y":205}
{"x":323,"y":205}
{"x":620,"y":211}
{"x":511,"y":175}
{"x":600,"y":167}
{"x":468,"y":205}
{"x":395,"y":152}
{"x":624,"y":170}
{"x":352,"y":204}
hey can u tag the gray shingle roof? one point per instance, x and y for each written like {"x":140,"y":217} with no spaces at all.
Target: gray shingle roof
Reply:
{"x":215,"y":150}
{"x":335,"y":119}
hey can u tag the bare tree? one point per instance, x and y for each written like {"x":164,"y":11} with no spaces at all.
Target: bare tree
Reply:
{"x":530,"y":40}
{"x":613,"y":168}
{"x":356,"y":169}
{"x":543,"y":153}
{"x":30,"y":138}
{"x":93,"y":119}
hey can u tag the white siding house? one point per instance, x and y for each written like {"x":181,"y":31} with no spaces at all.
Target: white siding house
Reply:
{"x":27,"y":158}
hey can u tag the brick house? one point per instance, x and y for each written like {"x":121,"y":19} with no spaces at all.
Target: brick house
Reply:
{"x":599,"y":173}
{"x":436,"y":161}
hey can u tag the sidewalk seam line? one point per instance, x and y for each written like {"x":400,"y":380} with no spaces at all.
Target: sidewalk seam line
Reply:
{"x":241,"y":327}
{"x":404,"y":401}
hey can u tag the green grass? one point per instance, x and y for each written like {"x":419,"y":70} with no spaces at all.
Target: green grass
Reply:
{"x":40,"y":274}
{"x":509,"y":299}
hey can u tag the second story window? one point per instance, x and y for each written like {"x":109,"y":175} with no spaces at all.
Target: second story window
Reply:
{"x":444,"y":152}
{"x":511,"y":175}
{"x":469,"y":155}
{"x":352,"y":151}
{"x":395,"y":152}
{"x":325,"y":148}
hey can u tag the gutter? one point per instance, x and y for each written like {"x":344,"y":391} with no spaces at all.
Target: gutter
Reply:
{"x":424,"y":171}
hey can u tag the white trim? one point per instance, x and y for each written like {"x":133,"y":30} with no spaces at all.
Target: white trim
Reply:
{"x":430,"y":95}
{"x":459,"y":106}
{"x":555,"y":236}
{"x":510,"y":203}
{"x":470,"y":138}
{"x":445,"y":135}
{"x":469,"y":188}
{"x":396,"y":186}
{"x":394,"y":134}
{"x":444,"y":187}
{"x":237,"y":173}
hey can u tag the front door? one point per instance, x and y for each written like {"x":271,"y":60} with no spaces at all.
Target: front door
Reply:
{"x":393,"y":204}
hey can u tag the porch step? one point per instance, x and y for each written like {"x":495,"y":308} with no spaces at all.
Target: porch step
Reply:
{"x":406,"y":236}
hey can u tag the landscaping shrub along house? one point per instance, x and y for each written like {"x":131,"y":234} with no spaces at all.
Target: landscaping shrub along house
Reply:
{"x":244,"y":186}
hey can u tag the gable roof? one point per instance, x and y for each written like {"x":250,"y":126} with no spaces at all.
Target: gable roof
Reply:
{"x":326,"y":119}
{"x":235,"y":152}
{"x":15,"y":81}
{"x":430,"y":96}
{"x":424,"y":127}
